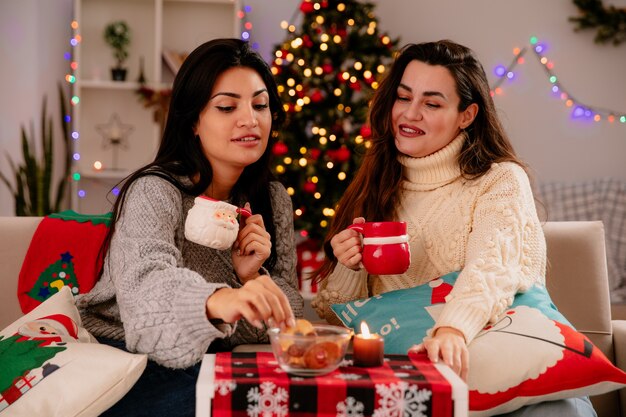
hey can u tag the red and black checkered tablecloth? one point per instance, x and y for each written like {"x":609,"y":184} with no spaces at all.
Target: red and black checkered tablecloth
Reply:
{"x":253,"y":385}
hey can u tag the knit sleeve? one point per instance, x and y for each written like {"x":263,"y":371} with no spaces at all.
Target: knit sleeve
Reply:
{"x":284,"y":271}
{"x":341,"y":286}
{"x":161,"y":303}
{"x":506,"y":251}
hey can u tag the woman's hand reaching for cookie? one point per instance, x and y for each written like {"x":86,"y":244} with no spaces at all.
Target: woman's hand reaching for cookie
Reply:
{"x":259,"y":301}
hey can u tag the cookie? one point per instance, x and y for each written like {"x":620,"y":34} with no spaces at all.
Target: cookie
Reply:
{"x":321,"y":355}
{"x":303,"y":327}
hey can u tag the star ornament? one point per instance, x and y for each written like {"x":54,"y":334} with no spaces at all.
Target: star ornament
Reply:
{"x":66,"y":257}
{"x":114,"y":133}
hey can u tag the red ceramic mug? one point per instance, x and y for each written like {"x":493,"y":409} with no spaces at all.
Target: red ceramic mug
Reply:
{"x":385,"y":247}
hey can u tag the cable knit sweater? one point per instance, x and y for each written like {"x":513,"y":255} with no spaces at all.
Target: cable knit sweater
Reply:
{"x":487,"y":228}
{"x":155,"y":283}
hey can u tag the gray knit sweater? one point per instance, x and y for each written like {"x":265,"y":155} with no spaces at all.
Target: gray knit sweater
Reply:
{"x":155,"y":283}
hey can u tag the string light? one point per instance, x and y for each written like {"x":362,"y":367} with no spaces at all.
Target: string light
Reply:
{"x":74,"y":101}
{"x":246,"y":25}
{"x":579,"y":110}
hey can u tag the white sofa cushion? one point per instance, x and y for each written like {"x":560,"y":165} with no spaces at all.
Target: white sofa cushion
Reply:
{"x":51,"y":366}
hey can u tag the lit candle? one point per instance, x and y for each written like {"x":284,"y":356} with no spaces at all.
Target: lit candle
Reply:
{"x":368,"y":349}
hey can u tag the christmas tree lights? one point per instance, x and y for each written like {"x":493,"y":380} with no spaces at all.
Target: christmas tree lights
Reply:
{"x":326,"y":71}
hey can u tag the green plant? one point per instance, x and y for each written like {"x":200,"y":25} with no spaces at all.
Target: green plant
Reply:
{"x":33,"y":177}
{"x":117,"y":36}
{"x":609,"y":21}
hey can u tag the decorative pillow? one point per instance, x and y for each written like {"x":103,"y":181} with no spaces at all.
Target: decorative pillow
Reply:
{"x":401,"y":316}
{"x":552,"y":360}
{"x":64,"y":251}
{"x":51,"y":366}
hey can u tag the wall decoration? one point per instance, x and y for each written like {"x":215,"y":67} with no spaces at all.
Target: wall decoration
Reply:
{"x":610,"y":21}
{"x":158,"y":101}
{"x":247,"y":26}
{"x":173,"y":59}
{"x":141,"y":78}
{"x":115,"y":136}
{"x":579,"y":110}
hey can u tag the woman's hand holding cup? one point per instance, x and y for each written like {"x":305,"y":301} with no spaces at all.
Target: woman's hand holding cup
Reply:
{"x":347,"y":246}
{"x":385,"y":248}
{"x":252,"y":247}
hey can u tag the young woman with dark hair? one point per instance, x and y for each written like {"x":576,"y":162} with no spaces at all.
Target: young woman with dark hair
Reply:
{"x":175,"y":300}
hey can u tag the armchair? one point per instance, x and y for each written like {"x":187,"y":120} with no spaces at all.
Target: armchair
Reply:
{"x":577,"y":281}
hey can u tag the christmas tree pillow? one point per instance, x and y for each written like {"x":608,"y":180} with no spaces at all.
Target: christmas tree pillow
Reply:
{"x":64,"y":252}
{"x":51,"y":366}
{"x":552,"y":360}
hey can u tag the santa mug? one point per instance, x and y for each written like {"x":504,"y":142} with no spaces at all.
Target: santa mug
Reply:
{"x":213,"y":223}
{"x":385,"y":247}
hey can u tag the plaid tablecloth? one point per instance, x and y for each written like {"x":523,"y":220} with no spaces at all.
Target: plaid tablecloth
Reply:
{"x":253,"y":385}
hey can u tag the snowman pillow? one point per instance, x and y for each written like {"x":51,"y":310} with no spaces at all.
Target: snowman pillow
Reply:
{"x":551,"y":359}
{"x":51,"y":366}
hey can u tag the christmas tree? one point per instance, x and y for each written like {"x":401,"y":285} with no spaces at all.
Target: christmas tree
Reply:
{"x":55,"y":277}
{"x":19,"y":357}
{"x":326,"y":72}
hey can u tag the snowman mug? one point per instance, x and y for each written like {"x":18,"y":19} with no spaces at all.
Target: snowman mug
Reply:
{"x":213,"y":223}
{"x":385,"y":247}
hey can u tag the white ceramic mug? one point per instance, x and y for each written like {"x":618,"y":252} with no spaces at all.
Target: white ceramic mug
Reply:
{"x":213,"y":223}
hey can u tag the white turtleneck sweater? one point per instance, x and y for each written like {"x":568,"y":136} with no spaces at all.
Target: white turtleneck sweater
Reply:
{"x":487,"y":228}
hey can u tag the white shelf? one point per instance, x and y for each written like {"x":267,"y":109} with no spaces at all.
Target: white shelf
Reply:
{"x":179,"y":25}
{"x":113,"y":174}
{"x":109,"y":85}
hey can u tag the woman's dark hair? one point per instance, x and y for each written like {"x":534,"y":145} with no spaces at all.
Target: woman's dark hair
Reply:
{"x":374,"y":191}
{"x":180,"y":154}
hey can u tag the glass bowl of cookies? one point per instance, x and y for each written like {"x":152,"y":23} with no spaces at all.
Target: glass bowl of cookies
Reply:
{"x":309,"y":349}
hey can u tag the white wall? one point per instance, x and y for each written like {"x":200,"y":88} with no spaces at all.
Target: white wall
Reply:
{"x":556,"y":147}
{"x":35,"y":33}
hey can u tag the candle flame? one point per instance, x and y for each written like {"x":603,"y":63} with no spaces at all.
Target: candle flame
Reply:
{"x":365,"y":330}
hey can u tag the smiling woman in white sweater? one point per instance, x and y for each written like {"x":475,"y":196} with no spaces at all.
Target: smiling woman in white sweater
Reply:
{"x":440,"y":161}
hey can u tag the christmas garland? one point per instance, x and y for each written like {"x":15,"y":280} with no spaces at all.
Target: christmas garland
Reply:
{"x":610,"y":21}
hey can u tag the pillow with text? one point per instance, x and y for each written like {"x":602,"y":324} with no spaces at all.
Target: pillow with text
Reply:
{"x":552,"y":360}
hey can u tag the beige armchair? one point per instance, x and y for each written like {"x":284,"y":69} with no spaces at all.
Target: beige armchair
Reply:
{"x":577,"y":281}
